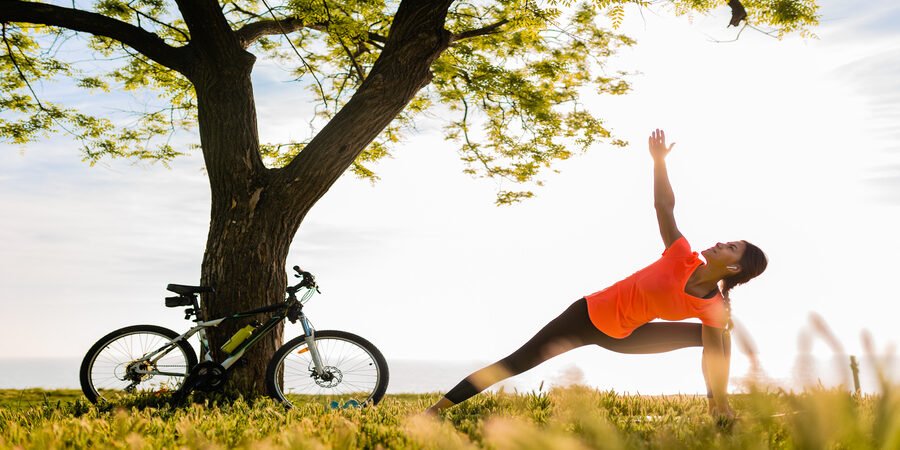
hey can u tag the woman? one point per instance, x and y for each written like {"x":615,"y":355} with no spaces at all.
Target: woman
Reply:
{"x":677,"y":286}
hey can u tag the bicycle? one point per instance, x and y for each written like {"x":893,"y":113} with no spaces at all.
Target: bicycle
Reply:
{"x":338,"y":367}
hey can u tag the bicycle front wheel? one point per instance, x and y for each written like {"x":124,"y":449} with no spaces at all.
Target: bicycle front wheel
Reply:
{"x":135,"y":360}
{"x":355,"y":372}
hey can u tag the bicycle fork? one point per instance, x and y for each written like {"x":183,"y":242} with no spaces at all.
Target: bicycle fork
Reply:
{"x":310,"y":338}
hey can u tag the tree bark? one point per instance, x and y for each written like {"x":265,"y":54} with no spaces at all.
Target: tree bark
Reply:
{"x":248,"y":237}
{"x":244,"y":261}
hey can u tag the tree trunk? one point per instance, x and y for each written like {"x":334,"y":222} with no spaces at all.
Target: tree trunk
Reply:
{"x":245,"y":263}
{"x":251,"y":227}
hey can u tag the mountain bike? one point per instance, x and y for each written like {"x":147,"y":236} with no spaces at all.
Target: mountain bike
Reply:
{"x":333,"y":366}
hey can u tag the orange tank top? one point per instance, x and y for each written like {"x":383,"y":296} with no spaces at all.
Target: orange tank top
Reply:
{"x":655,"y":292}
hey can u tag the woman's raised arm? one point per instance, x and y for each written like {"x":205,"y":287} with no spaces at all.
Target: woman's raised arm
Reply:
{"x":663,"y":197}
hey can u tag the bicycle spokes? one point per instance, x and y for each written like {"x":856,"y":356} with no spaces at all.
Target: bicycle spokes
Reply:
{"x":121,"y":366}
{"x":350,"y":373}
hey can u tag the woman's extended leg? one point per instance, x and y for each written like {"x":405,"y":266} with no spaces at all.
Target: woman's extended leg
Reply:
{"x":559,"y":336}
{"x":573,"y":328}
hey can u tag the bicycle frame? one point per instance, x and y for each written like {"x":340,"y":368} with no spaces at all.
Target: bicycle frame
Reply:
{"x":280,"y":313}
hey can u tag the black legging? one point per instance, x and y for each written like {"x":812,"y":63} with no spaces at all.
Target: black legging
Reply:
{"x":573,"y":328}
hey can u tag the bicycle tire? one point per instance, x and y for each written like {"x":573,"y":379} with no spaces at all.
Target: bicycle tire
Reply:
{"x":322,"y":337}
{"x":86,"y":372}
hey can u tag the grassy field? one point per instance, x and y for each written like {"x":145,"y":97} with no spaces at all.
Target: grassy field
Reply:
{"x":563,"y":418}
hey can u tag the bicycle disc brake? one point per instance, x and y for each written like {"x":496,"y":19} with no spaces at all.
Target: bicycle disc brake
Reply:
{"x":331,"y":378}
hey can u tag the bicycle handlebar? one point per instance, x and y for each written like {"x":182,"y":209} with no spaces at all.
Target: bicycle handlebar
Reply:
{"x":307,"y":281}
{"x":301,"y":272}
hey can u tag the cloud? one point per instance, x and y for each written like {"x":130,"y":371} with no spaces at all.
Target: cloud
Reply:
{"x":886,"y":183}
{"x":93,"y":228}
{"x":323,"y":239}
{"x":860,"y":20}
{"x":875,"y":79}
{"x":875,"y":76}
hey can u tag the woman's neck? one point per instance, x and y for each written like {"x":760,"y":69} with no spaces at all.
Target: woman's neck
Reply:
{"x":706,"y":277}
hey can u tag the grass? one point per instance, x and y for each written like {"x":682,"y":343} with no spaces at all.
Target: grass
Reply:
{"x":563,"y":418}
{"x":24,"y":398}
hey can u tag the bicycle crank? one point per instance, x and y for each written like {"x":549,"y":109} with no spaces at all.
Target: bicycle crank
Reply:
{"x":207,"y":376}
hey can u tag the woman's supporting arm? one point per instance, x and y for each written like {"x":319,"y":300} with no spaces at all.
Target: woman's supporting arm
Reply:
{"x":663,"y":197}
{"x":709,"y":394}
{"x":716,"y":362}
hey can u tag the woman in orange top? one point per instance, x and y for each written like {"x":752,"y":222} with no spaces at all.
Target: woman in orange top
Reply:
{"x":675,"y":287}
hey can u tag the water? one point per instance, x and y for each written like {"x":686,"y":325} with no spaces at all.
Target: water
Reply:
{"x":56,"y":373}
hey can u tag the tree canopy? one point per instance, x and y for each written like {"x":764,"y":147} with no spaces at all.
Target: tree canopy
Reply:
{"x":508,"y":87}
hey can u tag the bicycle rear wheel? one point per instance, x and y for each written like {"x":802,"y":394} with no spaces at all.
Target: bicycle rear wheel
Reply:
{"x":115,"y":369}
{"x":356,"y":373}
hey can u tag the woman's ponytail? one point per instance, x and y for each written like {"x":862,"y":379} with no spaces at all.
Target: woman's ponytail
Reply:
{"x":729,"y":324}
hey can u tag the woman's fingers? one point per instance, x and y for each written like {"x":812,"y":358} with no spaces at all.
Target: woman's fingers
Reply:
{"x":658,"y":136}
{"x":658,"y":139}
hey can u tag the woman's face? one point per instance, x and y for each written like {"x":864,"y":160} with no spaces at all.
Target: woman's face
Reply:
{"x":725,"y":254}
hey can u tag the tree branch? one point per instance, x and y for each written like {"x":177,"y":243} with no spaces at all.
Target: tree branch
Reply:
{"x":490,"y":29}
{"x":37,"y":100}
{"x":137,"y":38}
{"x":248,"y":34}
{"x":416,"y":38}
{"x":302,"y":59}
{"x":159,"y":22}
{"x":359,"y":71}
{"x":209,"y":29}
{"x":243,"y":11}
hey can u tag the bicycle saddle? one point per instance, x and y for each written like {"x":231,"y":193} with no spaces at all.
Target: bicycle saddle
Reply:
{"x":181,"y":289}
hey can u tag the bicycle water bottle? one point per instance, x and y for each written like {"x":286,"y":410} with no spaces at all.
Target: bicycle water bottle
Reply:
{"x":237,"y":339}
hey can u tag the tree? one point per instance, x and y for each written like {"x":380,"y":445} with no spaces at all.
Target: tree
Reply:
{"x":372,"y":65}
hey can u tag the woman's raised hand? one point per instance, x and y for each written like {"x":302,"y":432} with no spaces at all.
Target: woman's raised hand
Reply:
{"x":657,"y":144}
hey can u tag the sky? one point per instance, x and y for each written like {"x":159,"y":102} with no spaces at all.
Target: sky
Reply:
{"x":793,"y":145}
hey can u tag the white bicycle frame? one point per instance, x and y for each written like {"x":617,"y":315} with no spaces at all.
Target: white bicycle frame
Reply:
{"x":206,"y":354}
